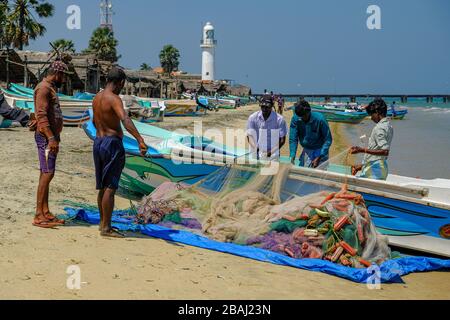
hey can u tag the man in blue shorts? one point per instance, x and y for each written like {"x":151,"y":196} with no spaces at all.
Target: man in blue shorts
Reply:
{"x":109,"y":153}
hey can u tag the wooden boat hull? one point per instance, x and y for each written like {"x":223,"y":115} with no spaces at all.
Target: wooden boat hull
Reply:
{"x":180,"y":108}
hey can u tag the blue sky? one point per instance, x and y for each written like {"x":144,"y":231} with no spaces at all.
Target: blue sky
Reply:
{"x":289,"y":46}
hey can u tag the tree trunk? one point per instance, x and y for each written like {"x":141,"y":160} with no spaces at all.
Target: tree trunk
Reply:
{"x":21,"y":25}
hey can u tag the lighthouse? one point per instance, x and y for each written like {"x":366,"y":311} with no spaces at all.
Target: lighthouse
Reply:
{"x":208,"y":45}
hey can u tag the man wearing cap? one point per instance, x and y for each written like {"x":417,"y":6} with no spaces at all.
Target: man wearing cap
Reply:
{"x":311,"y":130}
{"x":266,"y":131}
{"x":49,"y":126}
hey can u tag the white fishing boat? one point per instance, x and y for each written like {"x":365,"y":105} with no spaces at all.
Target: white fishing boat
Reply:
{"x":413,"y":213}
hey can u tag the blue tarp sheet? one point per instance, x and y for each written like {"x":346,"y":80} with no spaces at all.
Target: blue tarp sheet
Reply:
{"x":389,"y":272}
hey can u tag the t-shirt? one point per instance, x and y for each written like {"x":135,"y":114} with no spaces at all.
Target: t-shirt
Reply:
{"x":313,"y":135}
{"x":380,"y":139}
{"x":48,"y":114}
{"x":267,"y":134}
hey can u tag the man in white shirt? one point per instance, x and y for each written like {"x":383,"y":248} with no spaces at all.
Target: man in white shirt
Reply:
{"x":266,"y":131}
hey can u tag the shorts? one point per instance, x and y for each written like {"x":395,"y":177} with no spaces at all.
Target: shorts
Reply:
{"x":46,"y":164}
{"x":109,"y":160}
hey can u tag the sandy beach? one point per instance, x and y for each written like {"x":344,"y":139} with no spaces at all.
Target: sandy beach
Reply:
{"x":33,"y":261}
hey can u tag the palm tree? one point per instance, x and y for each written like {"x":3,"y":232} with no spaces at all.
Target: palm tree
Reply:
{"x":103,"y":44}
{"x":145,"y":67}
{"x":3,"y":15}
{"x":169,"y":58}
{"x":64,"y":45}
{"x":21,"y":25}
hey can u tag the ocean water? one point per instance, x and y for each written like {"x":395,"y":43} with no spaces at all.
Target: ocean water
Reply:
{"x":421,"y":145}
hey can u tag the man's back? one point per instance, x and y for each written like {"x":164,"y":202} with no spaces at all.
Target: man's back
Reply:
{"x":106,"y":119}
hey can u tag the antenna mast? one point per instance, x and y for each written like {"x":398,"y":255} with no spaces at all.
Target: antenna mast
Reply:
{"x":106,"y":14}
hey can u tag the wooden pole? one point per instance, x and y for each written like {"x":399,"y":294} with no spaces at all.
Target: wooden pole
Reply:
{"x":98,"y":78}
{"x":25,"y":73}
{"x":87,"y":76}
{"x":140,"y":88}
{"x":7,"y":67}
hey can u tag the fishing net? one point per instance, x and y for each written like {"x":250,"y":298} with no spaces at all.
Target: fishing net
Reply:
{"x":278,"y":207}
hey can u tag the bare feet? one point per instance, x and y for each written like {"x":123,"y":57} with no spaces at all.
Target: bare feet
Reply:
{"x":112,"y":233}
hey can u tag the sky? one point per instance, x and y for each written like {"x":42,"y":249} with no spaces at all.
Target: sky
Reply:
{"x":288,"y":46}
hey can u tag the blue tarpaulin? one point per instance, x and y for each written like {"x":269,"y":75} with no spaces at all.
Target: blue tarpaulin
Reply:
{"x":389,"y":272}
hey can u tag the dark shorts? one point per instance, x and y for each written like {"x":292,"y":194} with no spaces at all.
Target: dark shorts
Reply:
{"x":109,"y":159}
{"x":47,"y":165}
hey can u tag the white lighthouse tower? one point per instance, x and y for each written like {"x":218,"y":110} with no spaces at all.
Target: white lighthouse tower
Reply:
{"x":208,"y":45}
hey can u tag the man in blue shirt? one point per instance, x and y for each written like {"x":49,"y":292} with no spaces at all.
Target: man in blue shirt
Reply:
{"x":311,"y":130}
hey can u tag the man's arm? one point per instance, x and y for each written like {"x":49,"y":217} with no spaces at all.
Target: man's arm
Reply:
{"x":293,"y":138}
{"x":356,"y":150}
{"x":282,"y":138}
{"x":326,"y":132}
{"x":128,"y":124}
{"x":383,"y":144}
{"x":41,"y":107}
{"x":251,"y":133}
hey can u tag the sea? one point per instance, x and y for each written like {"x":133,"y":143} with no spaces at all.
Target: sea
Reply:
{"x":421,"y":145}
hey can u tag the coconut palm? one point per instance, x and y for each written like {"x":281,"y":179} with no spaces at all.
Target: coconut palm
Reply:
{"x":3,"y":15}
{"x":103,"y":44}
{"x":21,"y":24}
{"x":145,"y":67}
{"x":169,"y":58}
{"x":64,"y":45}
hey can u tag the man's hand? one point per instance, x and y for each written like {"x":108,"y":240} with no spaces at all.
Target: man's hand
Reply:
{"x":356,"y":169}
{"x":316,"y":162}
{"x":143,"y":148}
{"x":32,"y":123}
{"x":53,"y":145}
{"x":356,"y":150}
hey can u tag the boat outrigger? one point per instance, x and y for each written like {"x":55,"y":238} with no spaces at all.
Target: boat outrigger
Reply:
{"x":414,"y":213}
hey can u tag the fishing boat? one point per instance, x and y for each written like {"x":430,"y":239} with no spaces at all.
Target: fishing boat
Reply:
{"x":413,"y":213}
{"x":213,"y":102}
{"x":347,"y":116}
{"x":173,"y":108}
{"x":181,"y":108}
{"x":74,"y":112}
{"x":219,"y":103}
{"x":399,"y":113}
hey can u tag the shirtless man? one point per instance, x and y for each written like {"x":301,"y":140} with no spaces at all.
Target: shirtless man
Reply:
{"x":109,"y":153}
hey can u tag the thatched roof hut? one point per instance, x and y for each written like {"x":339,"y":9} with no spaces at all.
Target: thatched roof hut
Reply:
{"x":17,"y":71}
